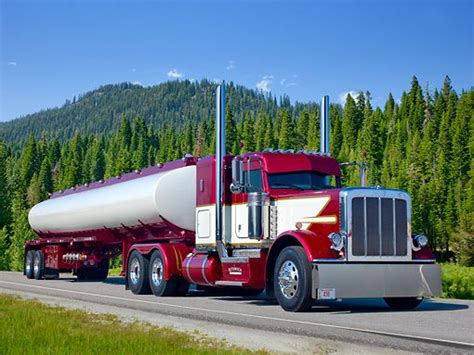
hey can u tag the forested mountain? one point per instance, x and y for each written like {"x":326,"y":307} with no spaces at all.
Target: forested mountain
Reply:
{"x":424,"y":144}
{"x":101,"y":110}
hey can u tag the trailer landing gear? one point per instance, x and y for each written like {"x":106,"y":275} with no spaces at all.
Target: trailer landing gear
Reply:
{"x":98,"y":273}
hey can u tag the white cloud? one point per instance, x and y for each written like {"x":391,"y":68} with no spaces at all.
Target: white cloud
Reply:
{"x":286,"y":83}
{"x":265,"y":83}
{"x":137,"y":83}
{"x":11,"y":64}
{"x":343,"y":96}
{"x":175,"y":74}
{"x":230,"y":65}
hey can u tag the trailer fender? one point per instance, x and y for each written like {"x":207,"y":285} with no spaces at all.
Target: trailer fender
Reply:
{"x":173,"y":256}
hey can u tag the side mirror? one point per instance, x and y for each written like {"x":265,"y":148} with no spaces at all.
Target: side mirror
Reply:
{"x":237,"y":185}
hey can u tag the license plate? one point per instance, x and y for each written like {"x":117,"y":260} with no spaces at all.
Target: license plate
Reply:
{"x":326,"y":293}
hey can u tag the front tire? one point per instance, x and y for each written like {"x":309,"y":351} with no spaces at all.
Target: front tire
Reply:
{"x":29,"y":264}
{"x":38,"y":264}
{"x":137,"y":273}
{"x":292,"y":280}
{"x":403,"y":303}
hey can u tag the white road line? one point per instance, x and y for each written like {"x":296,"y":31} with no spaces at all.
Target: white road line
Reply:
{"x":378,"y":332}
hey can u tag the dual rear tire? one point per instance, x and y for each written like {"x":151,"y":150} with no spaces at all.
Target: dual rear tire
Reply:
{"x":147,"y":275}
{"x":34,"y":264}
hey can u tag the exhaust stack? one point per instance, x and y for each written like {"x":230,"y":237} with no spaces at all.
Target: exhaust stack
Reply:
{"x":324,"y":126}
{"x":220,"y":153}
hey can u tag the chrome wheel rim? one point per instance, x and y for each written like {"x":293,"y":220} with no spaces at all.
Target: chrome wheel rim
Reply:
{"x":288,"y":279}
{"x":28,"y":263}
{"x":36,"y":265}
{"x":157,"y":272}
{"x":135,"y":271}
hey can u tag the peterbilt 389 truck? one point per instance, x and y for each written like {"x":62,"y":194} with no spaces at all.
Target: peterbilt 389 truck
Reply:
{"x":278,"y":221}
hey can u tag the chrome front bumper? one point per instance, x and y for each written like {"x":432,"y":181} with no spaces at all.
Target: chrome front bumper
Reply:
{"x":367,"y":280}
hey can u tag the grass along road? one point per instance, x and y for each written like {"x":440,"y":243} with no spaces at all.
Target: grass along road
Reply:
{"x":28,"y":326}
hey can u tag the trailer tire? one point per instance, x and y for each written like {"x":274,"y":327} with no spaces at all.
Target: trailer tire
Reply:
{"x":29,"y":264}
{"x":158,"y":284}
{"x":137,"y":273}
{"x":38,"y":264}
{"x":292,"y":280}
{"x":402,"y":303}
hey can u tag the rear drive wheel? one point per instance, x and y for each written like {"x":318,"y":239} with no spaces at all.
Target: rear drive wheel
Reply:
{"x":29,"y":264}
{"x":292,"y":280}
{"x":403,"y":302}
{"x":137,"y":273}
{"x":159,"y":286}
{"x":38,"y":264}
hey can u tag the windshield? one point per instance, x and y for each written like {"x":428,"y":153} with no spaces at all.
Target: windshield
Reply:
{"x":303,"y":180}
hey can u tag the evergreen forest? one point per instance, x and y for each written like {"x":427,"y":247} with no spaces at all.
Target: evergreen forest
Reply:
{"x":422,"y":143}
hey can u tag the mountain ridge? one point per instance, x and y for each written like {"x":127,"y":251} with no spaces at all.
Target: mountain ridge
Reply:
{"x":101,"y":110}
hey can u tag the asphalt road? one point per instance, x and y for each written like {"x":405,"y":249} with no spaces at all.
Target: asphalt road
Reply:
{"x":436,"y":326}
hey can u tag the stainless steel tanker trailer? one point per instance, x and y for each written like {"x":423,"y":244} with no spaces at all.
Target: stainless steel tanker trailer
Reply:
{"x":278,"y":221}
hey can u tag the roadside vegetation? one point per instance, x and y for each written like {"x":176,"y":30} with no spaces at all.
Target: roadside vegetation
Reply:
{"x":458,"y":281}
{"x":28,"y":327}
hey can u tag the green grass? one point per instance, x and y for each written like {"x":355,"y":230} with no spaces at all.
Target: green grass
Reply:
{"x":28,"y":327}
{"x":115,"y":271}
{"x":458,"y":281}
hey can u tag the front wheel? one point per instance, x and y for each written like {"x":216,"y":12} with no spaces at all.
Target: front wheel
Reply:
{"x":403,"y":302}
{"x":292,"y":280}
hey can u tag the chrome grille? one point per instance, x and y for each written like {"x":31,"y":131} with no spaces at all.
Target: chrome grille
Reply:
{"x":379,"y":226}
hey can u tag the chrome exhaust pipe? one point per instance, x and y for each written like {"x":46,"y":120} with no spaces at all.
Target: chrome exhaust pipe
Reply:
{"x":324,"y":126}
{"x":220,"y":154}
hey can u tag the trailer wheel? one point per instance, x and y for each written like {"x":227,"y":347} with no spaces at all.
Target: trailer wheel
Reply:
{"x":29,"y":264}
{"x":38,"y":265}
{"x":159,"y":286}
{"x":403,"y":302}
{"x":292,"y":280}
{"x":137,"y":273}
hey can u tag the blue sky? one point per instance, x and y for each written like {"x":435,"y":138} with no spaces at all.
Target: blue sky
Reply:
{"x":53,"y":50}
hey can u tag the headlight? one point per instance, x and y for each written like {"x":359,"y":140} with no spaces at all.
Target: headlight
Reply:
{"x":337,"y":240}
{"x":420,"y":241}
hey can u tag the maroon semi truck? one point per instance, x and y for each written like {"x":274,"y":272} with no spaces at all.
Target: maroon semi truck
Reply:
{"x":278,"y":221}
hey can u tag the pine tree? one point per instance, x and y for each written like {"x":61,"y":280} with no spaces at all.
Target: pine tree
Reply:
{"x":5,"y":214}
{"x":248,"y":135}
{"x":28,"y":161}
{"x":232,"y":142}
{"x":312,"y":134}
{"x":4,"y":244}
{"x":303,"y":127}
{"x":286,"y":138}
{"x":21,"y":232}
